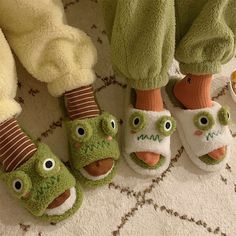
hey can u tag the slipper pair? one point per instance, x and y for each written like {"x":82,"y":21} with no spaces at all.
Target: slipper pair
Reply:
{"x":51,"y":191}
{"x":201,"y":132}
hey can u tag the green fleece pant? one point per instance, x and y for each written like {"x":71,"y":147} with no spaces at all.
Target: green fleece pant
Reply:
{"x":145,"y":36}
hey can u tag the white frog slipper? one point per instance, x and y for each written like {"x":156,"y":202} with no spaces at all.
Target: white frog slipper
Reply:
{"x":148,"y":131}
{"x":201,"y":131}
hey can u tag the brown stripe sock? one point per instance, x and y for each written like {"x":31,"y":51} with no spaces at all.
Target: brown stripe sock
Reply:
{"x":15,"y":145}
{"x":81,"y":103}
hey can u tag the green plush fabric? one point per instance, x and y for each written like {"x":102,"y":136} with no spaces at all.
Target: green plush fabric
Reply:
{"x":41,"y":184}
{"x":205,"y":37}
{"x":144,"y":165}
{"x":93,"y":145}
{"x":142,"y":37}
{"x":145,"y":35}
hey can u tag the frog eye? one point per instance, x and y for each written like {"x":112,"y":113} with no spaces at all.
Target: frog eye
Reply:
{"x":47,"y":166}
{"x":17,"y":185}
{"x":224,"y":116}
{"x":110,"y":125}
{"x":137,"y":121}
{"x":82,"y":131}
{"x":166,"y":125}
{"x":204,"y":120}
{"x":20,"y":183}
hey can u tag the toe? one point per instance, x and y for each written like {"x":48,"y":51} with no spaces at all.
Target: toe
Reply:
{"x":218,"y":154}
{"x":149,"y":158}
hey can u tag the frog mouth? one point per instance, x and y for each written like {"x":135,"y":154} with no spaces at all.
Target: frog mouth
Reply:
{"x":97,"y":170}
{"x":62,"y":203}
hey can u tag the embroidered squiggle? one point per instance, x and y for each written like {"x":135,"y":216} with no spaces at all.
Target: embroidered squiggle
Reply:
{"x":211,"y":135}
{"x":149,"y":137}
{"x":96,"y":146}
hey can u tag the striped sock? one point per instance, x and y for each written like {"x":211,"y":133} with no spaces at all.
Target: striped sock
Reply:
{"x":81,"y":103}
{"x":15,"y":147}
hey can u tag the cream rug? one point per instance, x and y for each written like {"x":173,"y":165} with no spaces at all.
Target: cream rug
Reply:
{"x":183,"y":201}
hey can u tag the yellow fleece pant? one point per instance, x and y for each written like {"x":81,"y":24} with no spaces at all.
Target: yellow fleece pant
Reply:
{"x":50,"y":50}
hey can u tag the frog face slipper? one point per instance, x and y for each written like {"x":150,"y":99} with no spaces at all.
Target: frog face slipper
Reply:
{"x":148,"y":131}
{"x":93,"y":145}
{"x":41,"y":183}
{"x":202,"y":131}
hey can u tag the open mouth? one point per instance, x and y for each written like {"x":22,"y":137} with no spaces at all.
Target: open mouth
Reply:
{"x":211,"y":161}
{"x":98,"y":170}
{"x":142,"y":164}
{"x":62,"y":203}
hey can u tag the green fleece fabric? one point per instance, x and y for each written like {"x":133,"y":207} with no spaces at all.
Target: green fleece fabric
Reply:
{"x":37,"y":185}
{"x":96,"y":142}
{"x":206,"y":34}
{"x":143,"y":39}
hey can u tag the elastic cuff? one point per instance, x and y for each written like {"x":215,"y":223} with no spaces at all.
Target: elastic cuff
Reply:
{"x":71,"y":81}
{"x":146,"y":84}
{"x":9,"y":109}
{"x":203,"y":68}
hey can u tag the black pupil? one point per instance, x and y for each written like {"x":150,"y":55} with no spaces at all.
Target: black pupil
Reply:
{"x":168,"y":125}
{"x":204,"y":120}
{"x":81,"y":131}
{"x":18,"y":185}
{"x":136,"y":121}
{"x":228,"y":115}
{"x":49,"y":164}
{"x":113,"y":124}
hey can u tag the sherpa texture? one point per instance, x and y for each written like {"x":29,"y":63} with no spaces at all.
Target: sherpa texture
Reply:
{"x":41,"y":186}
{"x":200,"y":138}
{"x":205,"y":38}
{"x":50,"y":50}
{"x":97,"y":142}
{"x":148,"y":138}
{"x":145,"y":132}
{"x":143,"y":39}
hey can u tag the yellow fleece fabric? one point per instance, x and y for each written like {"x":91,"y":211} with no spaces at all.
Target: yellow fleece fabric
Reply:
{"x":49,"y":49}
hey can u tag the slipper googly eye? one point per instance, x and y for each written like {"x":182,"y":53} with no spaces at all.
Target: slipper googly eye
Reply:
{"x":204,"y":121}
{"x":166,"y":125}
{"x":17,"y":185}
{"x":20,"y":183}
{"x":137,"y":121}
{"x":109,"y":125}
{"x":47,"y":166}
{"x":81,"y":131}
{"x":224,"y":116}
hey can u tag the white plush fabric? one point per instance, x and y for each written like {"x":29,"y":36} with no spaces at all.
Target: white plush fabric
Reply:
{"x":208,"y":141}
{"x":133,"y":142}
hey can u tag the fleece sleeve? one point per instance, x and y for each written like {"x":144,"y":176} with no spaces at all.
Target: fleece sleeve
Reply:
{"x":49,"y":49}
{"x":142,"y":38}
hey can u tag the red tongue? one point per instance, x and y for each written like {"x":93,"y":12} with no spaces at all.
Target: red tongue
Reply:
{"x":218,"y":154}
{"x":149,"y":158}
{"x":100,"y":167}
{"x":59,"y":200}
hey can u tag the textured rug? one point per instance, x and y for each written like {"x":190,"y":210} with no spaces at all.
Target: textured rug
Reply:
{"x":183,"y":201}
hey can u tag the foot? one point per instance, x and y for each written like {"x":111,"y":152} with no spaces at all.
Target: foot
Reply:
{"x":81,"y":104}
{"x":194,"y":93}
{"x":149,"y":100}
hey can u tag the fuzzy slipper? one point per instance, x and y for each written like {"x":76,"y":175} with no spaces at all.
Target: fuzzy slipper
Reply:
{"x":147,"y":131}
{"x":93,"y":145}
{"x":201,"y":131}
{"x":41,"y":182}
